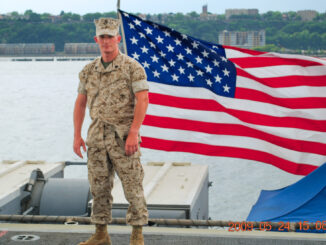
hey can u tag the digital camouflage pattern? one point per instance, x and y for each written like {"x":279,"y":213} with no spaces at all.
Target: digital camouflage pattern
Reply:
{"x":101,"y":165}
{"x":111,"y":100}
{"x":107,"y":26}
{"x":111,"y":95}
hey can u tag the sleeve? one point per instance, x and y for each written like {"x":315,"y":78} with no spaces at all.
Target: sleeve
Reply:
{"x":138,"y":78}
{"x":82,"y":82}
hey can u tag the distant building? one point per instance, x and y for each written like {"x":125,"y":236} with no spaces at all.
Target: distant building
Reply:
{"x":307,"y":15}
{"x":205,"y":15}
{"x":247,"y":39}
{"x":81,"y":48}
{"x":14,"y":49}
{"x":231,"y":12}
{"x":205,"y":9}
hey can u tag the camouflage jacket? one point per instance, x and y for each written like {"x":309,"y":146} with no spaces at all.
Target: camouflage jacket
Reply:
{"x":111,"y":95}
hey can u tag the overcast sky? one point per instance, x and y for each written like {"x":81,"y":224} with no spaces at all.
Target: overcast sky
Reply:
{"x":157,"y":6}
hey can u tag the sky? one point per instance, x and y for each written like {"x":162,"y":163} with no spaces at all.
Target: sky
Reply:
{"x":157,"y":6}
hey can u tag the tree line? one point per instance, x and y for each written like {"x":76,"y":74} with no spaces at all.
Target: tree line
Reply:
{"x":284,"y":31}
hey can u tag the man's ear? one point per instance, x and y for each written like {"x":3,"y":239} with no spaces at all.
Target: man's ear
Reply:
{"x":119,"y":39}
{"x":95,"y":39}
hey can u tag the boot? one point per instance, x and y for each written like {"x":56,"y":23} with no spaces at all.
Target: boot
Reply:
{"x":101,"y":237}
{"x":137,"y":237}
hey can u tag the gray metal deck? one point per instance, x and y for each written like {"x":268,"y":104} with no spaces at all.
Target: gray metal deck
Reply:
{"x":73,"y":234}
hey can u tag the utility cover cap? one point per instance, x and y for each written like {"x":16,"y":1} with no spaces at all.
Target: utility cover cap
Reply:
{"x":107,"y":26}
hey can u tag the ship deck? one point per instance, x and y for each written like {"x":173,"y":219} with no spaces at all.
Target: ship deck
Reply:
{"x":54,"y":234}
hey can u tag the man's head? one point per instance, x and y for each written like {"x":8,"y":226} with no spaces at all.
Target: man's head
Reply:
{"x":107,"y":35}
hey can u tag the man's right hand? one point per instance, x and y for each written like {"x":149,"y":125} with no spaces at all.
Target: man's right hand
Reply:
{"x":78,"y":142}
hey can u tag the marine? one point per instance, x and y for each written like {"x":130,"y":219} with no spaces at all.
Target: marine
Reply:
{"x":114,"y":87}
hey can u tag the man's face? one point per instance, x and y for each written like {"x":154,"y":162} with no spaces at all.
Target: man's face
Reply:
{"x":108,"y":44}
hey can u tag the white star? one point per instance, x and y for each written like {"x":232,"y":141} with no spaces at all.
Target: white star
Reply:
{"x":214,"y":51}
{"x":199,"y":73}
{"x":195,"y":44}
{"x":131,"y":26}
{"x":226,"y":88}
{"x":218,"y":79}
{"x":177,"y":42}
{"x":162,"y":54}
{"x":181,"y":70}
{"x":137,"y":22}
{"x":189,"y":64}
{"x":145,"y":64}
{"x":126,"y":14}
{"x":191,"y":78}
{"x":180,"y":56}
{"x":148,"y":30}
{"x":224,"y":59}
{"x":184,"y":36}
{"x":144,"y":49}
{"x":165,"y":68}
{"x":188,"y":50}
{"x":154,"y":58}
{"x":134,"y":40}
{"x":199,"y":60}
{"x":216,"y":63}
{"x":208,"y":81}
{"x":175,"y":77}
{"x":170,"y":48}
{"x":216,"y":47}
{"x":152,"y":44}
{"x":159,"y":39}
{"x":208,"y":69}
{"x":142,"y":35}
{"x":226,"y":72}
{"x":167,"y":34}
{"x":205,"y":54}
{"x":156,"y":74}
{"x":172,"y":62}
{"x":135,"y":55}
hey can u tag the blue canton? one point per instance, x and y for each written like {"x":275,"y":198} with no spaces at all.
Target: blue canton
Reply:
{"x":172,"y":58}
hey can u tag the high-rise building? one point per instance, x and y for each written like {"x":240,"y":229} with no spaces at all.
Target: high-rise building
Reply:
{"x":246,"y":39}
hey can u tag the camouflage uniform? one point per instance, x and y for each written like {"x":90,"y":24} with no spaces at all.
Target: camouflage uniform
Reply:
{"x":111,"y":101}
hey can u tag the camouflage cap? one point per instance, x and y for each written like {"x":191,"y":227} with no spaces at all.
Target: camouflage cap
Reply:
{"x":107,"y":26}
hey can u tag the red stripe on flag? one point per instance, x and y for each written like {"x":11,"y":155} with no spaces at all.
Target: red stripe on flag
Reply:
{"x":245,"y":116}
{"x":255,"y":62}
{"x":293,"y":103}
{"x":287,"y":81}
{"x":234,"y":130}
{"x":226,"y":151}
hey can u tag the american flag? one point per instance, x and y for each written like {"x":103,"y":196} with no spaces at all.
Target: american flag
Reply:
{"x":229,"y":102}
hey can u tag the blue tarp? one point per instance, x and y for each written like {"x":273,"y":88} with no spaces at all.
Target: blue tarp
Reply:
{"x":304,"y":200}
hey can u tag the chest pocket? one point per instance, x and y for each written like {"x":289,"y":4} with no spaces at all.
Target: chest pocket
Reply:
{"x":118,"y":93}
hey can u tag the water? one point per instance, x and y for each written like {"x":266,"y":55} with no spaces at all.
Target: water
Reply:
{"x":36,"y":123}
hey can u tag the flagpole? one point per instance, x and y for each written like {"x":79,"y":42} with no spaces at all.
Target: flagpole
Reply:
{"x":122,"y":30}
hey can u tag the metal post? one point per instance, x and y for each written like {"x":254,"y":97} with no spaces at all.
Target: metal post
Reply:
{"x":122,"y":30}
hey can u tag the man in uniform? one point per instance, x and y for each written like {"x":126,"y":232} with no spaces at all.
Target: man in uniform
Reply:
{"x":114,"y":87}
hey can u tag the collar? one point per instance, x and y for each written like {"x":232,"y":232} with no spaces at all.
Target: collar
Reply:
{"x":115,"y":64}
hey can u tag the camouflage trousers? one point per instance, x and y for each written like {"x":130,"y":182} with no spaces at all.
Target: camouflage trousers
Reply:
{"x":102,"y":164}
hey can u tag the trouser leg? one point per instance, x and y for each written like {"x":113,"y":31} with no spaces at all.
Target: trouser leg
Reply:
{"x":101,"y":179}
{"x":131,"y":174}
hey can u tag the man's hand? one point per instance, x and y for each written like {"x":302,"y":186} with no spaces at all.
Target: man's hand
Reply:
{"x":131,"y":143}
{"x":78,"y":142}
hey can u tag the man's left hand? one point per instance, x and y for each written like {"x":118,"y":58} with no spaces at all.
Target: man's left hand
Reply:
{"x":131,"y":143}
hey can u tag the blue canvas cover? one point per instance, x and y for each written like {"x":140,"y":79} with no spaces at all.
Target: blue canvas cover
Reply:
{"x":304,"y":200}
